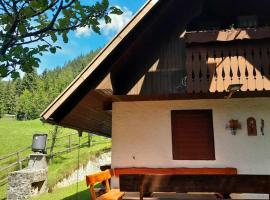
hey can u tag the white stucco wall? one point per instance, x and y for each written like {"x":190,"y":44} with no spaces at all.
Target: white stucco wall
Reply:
{"x":141,"y":134}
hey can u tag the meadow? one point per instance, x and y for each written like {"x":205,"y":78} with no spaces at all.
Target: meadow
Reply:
{"x":15,"y":135}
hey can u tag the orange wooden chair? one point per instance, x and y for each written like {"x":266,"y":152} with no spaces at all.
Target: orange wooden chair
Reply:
{"x":103,"y":177}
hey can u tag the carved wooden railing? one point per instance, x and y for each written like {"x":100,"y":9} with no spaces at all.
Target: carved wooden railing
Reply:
{"x":213,"y":69}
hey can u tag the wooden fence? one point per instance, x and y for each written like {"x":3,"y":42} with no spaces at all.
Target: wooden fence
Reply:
{"x":65,"y":144}
{"x":17,"y":164}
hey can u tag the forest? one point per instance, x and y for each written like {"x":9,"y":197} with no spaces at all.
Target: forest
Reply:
{"x":26,"y":97}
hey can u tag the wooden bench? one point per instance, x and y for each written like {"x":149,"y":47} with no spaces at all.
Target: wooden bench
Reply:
{"x":103,"y":177}
{"x":223,"y":184}
{"x":174,"y":171}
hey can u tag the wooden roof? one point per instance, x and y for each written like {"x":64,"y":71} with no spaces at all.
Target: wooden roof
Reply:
{"x":83,"y":105}
{"x":89,"y":79}
{"x":86,"y":103}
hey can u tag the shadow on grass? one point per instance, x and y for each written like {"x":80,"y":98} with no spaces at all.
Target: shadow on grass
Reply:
{"x":83,"y":195}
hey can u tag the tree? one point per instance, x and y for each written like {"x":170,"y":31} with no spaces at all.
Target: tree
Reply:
{"x":2,"y":98}
{"x":27,"y":97}
{"x":26,"y":106}
{"x":32,"y":27}
{"x":9,"y":98}
{"x":29,"y":81}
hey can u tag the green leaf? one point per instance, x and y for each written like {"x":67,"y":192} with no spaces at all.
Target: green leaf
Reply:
{"x":53,"y":36}
{"x":65,"y":37}
{"x":96,"y":29}
{"x":35,"y":63}
{"x":22,"y":28}
{"x":28,"y":12}
{"x":116,"y":11}
{"x":44,"y":3}
{"x":15,"y":75}
{"x":63,"y":22}
{"x":35,"y":4}
{"x":37,"y":59}
{"x":3,"y":71}
{"x":107,"y":19}
{"x":65,"y":12}
{"x":26,"y":49}
{"x":77,"y":5}
{"x":105,"y":3}
{"x":53,"y":50}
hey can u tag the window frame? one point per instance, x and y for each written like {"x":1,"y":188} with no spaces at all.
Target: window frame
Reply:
{"x":211,"y":139}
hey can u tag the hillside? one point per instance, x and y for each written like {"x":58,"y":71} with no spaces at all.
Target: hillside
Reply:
{"x":27,"y":97}
{"x":15,"y":135}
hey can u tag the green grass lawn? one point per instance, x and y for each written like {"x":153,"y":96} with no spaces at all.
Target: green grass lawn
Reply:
{"x":3,"y":190}
{"x":15,"y":135}
{"x":67,"y":193}
{"x":63,"y":165}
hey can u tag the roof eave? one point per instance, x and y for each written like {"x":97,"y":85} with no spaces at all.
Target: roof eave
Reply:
{"x":107,"y":50}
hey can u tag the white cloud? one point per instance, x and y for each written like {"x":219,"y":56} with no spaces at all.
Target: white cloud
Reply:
{"x":83,"y":31}
{"x":117,"y":23}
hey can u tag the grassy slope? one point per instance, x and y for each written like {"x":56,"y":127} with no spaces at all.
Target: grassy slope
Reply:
{"x":67,"y":193}
{"x":59,"y":170}
{"x":20,"y":134}
{"x":15,"y":135}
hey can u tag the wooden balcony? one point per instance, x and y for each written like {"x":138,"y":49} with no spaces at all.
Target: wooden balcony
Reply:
{"x":212,"y":68}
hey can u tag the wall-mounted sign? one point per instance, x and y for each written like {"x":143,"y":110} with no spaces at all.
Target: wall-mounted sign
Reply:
{"x":251,"y":126}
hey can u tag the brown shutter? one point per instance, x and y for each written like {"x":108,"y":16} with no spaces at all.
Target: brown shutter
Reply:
{"x":192,"y":135}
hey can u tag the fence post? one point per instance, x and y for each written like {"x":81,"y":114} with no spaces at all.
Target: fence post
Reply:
{"x":69,"y":143}
{"x":89,"y":139}
{"x":19,"y":160}
{"x":55,"y":132}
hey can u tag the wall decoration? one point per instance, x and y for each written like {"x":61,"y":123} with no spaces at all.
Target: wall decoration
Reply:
{"x":251,"y":126}
{"x":262,"y":126}
{"x":233,"y":125}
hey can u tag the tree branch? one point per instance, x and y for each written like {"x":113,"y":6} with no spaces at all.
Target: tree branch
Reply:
{"x":42,"y":39}
{"x":47,"y":28}
{"x":4,"y":7}
{"x":27,"y":22}
{"x":10,"y":38}
{"x":69,"y":4}
{"x":28,"y":42}
{"x":53,"y":3}
{"x":67,"y":28}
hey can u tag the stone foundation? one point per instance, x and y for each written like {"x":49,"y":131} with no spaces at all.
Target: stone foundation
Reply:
{"x":29,"y":182}
{"x":26,"y":183}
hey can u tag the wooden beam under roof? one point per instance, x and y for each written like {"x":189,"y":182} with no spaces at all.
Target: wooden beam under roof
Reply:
{"x":189,"y":96}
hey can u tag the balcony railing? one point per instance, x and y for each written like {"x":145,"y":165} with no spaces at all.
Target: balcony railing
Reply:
{"x":213,"y":69}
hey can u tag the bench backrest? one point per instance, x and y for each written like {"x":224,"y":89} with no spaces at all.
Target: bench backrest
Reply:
{"x":100,"y":177}
{"x":195,"y":183}
{"x":174,"y":171}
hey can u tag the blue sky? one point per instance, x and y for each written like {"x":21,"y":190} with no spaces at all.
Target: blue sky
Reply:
{"x":84,"y":40}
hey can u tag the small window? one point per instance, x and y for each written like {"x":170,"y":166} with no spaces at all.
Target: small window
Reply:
{"x":192,"y":135}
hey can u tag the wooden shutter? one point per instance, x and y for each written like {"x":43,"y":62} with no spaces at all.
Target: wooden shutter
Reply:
{"x":192,"y":135}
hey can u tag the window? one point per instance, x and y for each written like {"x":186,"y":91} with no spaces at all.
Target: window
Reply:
{"x":192,"y":135}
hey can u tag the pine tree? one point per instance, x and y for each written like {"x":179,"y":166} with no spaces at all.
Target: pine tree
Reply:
{"x":10,"y":97}
{"x":28,"y":97}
